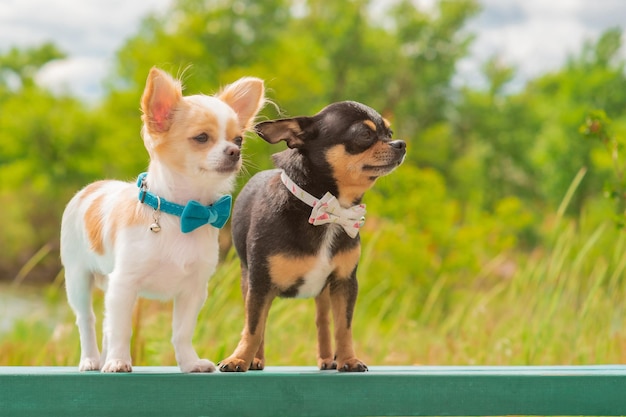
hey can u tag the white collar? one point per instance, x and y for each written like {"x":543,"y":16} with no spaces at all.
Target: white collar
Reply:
{"x":327,"y":209}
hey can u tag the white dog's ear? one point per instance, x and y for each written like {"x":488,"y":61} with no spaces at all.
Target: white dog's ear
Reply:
{"x":246,"y":96}
{"x":160,"y":97}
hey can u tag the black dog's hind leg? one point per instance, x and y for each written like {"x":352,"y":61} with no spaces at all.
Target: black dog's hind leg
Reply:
{"x":257,"y":305}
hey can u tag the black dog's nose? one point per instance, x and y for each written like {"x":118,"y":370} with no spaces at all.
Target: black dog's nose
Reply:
{"x":398,"y":144}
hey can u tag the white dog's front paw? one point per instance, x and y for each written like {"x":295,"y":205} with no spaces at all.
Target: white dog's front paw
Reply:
{"x":89,"y":364}
{"x":201,"y":365}
{"x":117,"y":365}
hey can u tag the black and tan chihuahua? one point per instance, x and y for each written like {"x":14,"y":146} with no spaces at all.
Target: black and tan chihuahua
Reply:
{"x":296,"y":228}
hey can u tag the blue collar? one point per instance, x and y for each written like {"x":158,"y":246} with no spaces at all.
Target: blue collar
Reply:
{"x":192,"y":215}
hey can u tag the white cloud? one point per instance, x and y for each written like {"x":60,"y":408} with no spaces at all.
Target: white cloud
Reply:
{"x":77,"y":26}
{"x":80,"y":76}
{"x":535,"y":36}
{"x":535,"y":45}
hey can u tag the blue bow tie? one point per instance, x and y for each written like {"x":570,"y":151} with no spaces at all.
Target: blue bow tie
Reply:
{"x":192,"y":215}
{"x":196,"y":215}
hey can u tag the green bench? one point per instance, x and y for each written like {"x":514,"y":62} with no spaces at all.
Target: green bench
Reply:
{"x":305,"y":391}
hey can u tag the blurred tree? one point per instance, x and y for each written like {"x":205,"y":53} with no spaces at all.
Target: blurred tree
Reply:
{"x":597,"y":127}
{"x":495,"y":131}
{"x":45,"y":144}
{"x":594,"y":79}
{"x":420,"y":93}
{"x":208,"y":39}
{"x":527,"y":143}
{"x":21,"y":65}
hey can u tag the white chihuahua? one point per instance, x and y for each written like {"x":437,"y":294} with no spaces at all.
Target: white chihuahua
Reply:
{"x":158,"y":237}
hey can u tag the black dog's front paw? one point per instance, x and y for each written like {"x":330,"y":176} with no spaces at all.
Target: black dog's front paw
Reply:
{"x":352,"y":365}
{"x":257,"y":365}
{"x":233,"y":364}
{"x":326,"y":364}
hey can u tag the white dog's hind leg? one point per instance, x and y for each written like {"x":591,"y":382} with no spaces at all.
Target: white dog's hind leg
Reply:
{"x":79,"y":286}
{"x":187,"y":306}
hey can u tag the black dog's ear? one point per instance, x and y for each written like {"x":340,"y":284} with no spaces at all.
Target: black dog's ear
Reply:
{"x":293,"y":131}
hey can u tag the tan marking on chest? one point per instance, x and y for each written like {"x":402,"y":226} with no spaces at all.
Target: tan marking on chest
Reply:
{"x":94,"y":225}
{"x":128,"y":213}
{"x":346,"y":261}
{"x":286,"y":270}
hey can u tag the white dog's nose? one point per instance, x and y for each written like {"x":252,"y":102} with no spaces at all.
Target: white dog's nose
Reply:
{"x":232,"y":152}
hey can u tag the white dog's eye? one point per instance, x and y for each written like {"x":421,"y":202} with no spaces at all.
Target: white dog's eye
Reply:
{"x":238,"y":141}
{"x":201,"y":138}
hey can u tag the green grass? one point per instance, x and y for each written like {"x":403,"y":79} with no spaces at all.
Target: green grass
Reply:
{"x":559,"y":304}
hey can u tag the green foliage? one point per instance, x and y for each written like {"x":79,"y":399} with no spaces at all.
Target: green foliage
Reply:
{"x":597,"y":127}
{"x":40,"y":168}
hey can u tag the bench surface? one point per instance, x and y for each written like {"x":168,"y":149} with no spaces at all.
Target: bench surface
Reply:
{"x":305,"y":391}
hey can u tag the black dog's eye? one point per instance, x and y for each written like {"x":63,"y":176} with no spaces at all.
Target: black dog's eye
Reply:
{"x":201,"y":138}
{"x":366,"y":135}
{"x":238,"y":141}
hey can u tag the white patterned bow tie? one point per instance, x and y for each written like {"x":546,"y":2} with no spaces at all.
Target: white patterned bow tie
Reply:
{"x":328,"y":210}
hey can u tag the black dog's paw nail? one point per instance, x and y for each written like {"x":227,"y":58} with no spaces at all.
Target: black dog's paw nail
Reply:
{"x":327,"y":365}
{"x":238,"y":368}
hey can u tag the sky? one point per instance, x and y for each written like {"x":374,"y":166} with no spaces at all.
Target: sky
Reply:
{"x":88,"y":31}
{"x":535,"y":36}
